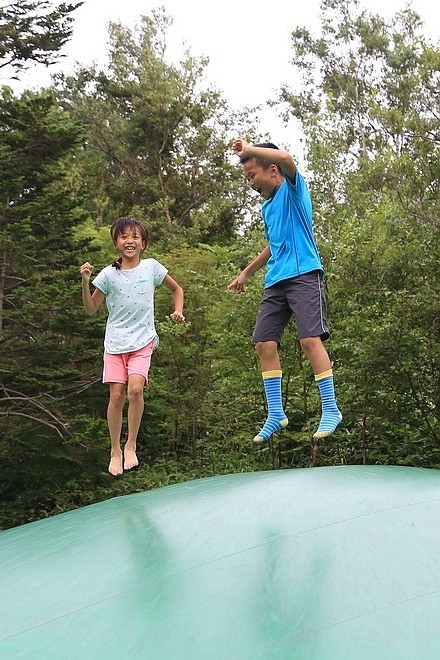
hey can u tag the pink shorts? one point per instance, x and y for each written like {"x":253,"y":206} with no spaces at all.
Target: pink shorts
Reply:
{"x":118,"y":367}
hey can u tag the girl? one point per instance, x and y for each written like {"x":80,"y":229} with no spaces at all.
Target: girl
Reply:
{"x":130,"y":336}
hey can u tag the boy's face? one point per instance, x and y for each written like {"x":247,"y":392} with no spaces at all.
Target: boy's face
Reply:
{"x":263,"y":181}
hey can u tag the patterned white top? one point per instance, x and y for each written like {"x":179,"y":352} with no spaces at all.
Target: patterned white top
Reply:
{"x":129,"y":296}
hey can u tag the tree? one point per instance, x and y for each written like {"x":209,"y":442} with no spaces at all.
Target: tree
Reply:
{"x":33,"y":32}
{"x":71,"y":159}
{"x":370,"y":110}
{"x":157,"y":140}
{"x":40,"y":311}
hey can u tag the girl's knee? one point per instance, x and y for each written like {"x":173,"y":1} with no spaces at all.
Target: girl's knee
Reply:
{"x":135,"y":392}
{"x":117,"y":399}
{"x":117,"y":394}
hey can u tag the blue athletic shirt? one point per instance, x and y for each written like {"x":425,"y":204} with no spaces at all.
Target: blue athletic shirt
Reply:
{"x":288,"y":228}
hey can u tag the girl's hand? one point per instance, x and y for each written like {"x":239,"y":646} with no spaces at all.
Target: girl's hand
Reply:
{"x":177,"y":317}
{"x":86,"y":271}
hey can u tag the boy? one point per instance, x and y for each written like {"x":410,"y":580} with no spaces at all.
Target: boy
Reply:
{"x":293,"y":281}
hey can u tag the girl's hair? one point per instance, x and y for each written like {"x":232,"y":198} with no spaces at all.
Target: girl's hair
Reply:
{"x":120,"y":225}
{"x":264,"y":162}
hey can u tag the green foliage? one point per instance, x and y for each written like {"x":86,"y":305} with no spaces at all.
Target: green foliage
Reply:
{"x":33,"y":31}
{"x":156,"y":143}
{"x":372,"y":127}
{"x":147,"y":138}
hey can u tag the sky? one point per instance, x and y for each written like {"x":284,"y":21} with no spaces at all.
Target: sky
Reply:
{"x":247,"y":42}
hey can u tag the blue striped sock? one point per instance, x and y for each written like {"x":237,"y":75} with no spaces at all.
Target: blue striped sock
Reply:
{"x":331,"y":415}
{"x":276,"y":419}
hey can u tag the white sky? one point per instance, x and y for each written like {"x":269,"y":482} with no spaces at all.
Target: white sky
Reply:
{"x":247,"y":41}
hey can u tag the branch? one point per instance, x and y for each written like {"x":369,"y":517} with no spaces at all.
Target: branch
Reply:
{"x":18,"y":398}
{"x":36,"y":419}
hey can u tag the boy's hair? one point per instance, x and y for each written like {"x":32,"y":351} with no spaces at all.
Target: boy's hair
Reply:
{"x":264,"y":162}
{"x":120,"y":225}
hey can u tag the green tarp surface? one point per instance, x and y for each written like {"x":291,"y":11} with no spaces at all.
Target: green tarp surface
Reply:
{"x":331,"y":563}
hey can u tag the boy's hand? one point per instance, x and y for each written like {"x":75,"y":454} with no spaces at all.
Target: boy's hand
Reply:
{"x":86,"y":271}
{"x":239,"y":147}
{"x":237,"y":285}
{"x":177,"y":317}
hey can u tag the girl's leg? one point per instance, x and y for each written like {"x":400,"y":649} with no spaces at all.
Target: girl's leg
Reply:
{"x":331,"y":415}
{"x":136,"y":384}
{"x":114,"y":420}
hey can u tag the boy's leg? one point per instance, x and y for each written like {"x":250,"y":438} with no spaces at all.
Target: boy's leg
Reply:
{"x":273,"y":315}
{"x":331,"y":415}
{"x":307,"y":299}
{"x":136,"y":384}
{"x":114,"y":420}
{"x":272,"y":375}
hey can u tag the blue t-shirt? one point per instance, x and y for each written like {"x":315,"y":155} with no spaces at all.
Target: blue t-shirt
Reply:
{"x":129,"y":296}
{"x":288,"y":228}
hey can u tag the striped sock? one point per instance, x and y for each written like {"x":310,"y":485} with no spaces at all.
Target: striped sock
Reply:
{"x":331,"y":415}
{"x":276,"y":419}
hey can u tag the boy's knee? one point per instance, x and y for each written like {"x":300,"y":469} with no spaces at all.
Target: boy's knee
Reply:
{"x":309,"y":343}
{"x":266,"y":348}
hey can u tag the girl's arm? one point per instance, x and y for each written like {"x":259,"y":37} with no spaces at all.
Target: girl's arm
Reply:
{"x":172,"y":285}
{"x":91,"y":302}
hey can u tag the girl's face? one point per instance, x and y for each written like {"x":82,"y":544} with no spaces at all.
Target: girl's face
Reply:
{"x":130,"y":245}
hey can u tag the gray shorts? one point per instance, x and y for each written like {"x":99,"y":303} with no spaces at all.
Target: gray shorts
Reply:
{"x":303,"y":296}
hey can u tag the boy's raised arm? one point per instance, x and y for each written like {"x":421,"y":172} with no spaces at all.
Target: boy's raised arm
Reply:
{"x":280,"y":157}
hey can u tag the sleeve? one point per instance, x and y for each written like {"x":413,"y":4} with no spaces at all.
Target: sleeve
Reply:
{"x":298,"y":186}
{"x":159,"y":273}
{"x":101,"y":281}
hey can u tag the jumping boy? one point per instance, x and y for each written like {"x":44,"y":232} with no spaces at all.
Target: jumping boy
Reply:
{"x":293,"y":281}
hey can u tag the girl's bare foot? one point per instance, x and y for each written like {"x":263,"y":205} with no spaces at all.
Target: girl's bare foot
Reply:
{"x":115,"y":465}
{"x":130,"y":458}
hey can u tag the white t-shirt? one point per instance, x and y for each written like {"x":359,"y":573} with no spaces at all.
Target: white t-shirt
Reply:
{"x":129,"y":296}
